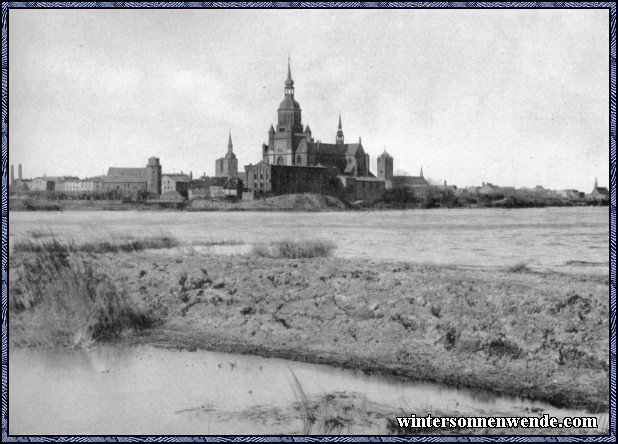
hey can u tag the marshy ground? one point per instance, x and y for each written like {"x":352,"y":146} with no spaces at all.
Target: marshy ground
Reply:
{"x":507,"y":330}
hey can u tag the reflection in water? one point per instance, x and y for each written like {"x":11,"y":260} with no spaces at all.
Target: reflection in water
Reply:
{"x":545,"y":238}
{"x":149,"y":390}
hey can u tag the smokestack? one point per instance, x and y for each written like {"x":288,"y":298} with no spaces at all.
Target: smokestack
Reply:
{"x":12,"y":175}
{"x":19,"y":172}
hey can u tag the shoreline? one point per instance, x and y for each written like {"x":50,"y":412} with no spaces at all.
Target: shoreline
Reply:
{"x":292,"y":202}
{"x":478,"y":328}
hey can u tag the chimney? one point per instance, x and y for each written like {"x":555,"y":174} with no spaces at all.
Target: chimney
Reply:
{"x":190,"y":175}
{"x":19,"y":172}
{"x":12,"y":175}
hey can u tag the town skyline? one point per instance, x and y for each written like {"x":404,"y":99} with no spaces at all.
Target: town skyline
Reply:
{"x":99,"y":81}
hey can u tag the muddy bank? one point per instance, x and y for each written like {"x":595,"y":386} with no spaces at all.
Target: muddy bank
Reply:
{"x":476,"y":328}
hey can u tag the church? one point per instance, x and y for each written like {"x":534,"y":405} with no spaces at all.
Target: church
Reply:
{"x":292,"y":144}
{"x":299,"y":163}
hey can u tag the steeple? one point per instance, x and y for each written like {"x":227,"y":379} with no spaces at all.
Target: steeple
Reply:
{"x":289,"y":83}
{"x":421,"y":172}
{"x":596,"y":184}
{"x":289,"y":111}
{"x":229,"y":143}
{"x":339,"y":139}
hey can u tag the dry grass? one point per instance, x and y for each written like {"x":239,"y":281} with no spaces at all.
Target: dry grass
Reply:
{"x":291,"y":249}
{"x":520,"y":267}
{"x":58,"y":298}
{"x":55,"y":246}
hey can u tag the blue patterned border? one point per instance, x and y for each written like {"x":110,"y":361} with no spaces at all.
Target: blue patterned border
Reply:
{"x":612,"y":209}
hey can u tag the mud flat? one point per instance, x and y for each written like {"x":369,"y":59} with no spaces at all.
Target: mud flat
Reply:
{"x":510,"y":331}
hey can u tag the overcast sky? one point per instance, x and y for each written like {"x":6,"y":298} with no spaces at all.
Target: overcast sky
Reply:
{"x":513,"y":97}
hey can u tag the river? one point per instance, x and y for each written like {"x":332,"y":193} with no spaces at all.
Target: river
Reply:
{"x":571,"y":239}
{"x":149,"y":390}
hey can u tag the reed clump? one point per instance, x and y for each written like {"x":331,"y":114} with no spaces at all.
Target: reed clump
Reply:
{"x":292,"y":249}
{"x":55,"y":246}
{"x":58,"y":298}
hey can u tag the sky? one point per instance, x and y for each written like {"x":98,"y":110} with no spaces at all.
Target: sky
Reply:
{"x":512,"y":97}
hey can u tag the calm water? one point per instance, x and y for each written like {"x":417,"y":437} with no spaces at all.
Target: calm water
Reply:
{"x":149,"y":390}
{"x":564,"y":239}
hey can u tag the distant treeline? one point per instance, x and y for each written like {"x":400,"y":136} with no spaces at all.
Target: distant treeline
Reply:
{"x":403,"y":197}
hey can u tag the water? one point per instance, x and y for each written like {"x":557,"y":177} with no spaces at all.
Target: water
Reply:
{"x":148,"y":390}
{"x":571,"y":240}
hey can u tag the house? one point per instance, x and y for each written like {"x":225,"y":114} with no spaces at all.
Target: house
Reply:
{"x":599,"y":194}
{"x":175,"y":183}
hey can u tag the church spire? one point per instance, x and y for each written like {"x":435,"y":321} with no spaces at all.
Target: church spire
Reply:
{"x":421,"y":171}
{"x":289,"y":83}
{"x":339,"y":138}
{"x":229,"y":143}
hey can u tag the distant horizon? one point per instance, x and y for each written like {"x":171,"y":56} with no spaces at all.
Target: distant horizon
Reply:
{"x":432,"y":181}
{"x":468,"y":95}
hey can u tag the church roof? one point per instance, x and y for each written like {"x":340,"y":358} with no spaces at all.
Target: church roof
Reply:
{"x":602,"y":190}
{"x":116,"y":171}
{"x":412,"y":180}
{"x":178,"y":177}
{"x":124,"y":179}
{"x":288,"y":103}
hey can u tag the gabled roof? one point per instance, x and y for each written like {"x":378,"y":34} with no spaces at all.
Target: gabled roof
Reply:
{"x":411,"y":180}
{"x":119,"y":171}
{"x":602,"y":190}
{"x":207,"y":182}
{"x":177,"y":177}
{"x":124,"y":179}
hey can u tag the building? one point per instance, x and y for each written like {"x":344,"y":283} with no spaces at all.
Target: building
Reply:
{"x":42,"y":184}
{"x":227,"y":166}
{"x":129,"y":181}
{"x":414,"y":182}
{"x":569,"y":194}
{"x":363,"y":188}
{"x":292,"y":144}
{"x":599,"y":194}
{"x":200,"y":188}
{"x":265,"y":178}
{"x":92,"y":185}
{"x":175,"y":184}
{"x":294,"y":162}
{"x":385,"y":166}
{"x":153,"y":176}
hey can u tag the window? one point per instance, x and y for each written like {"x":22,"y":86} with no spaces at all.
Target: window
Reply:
{"x":299,"y":160}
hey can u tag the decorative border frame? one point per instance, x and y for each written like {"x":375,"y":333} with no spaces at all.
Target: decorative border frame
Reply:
{"x":610,"y":6}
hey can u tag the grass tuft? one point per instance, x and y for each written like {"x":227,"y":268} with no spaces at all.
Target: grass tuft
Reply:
{"x":521,"y":267}
{"x":58,"y":298}
{"x":54,"y":246}
{"x":290,"y":249}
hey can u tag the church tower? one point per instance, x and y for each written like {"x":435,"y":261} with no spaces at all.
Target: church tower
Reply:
{"x":289,"y":110}
{"x":385,"y":166}
{"x":339,"y":139}
{"x":227,"y":166}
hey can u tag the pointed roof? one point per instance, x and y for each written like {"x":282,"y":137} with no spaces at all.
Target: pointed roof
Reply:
{"x":289,"y":81}
{"x":229,"y":141}
{"x":385,"y":154}
{"x":339,"y":120}
{"x":421,"y":175}
{"x":307,"y":129}
{"x":271,"y":130}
